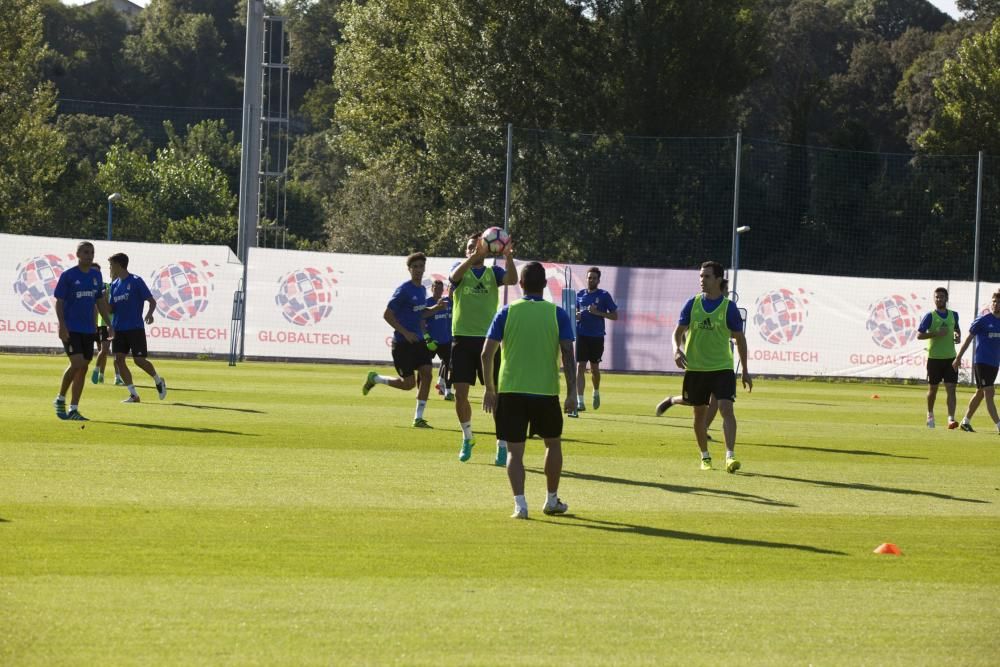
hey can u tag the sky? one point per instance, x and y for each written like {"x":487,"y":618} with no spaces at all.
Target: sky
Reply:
{"x":946,"y":6}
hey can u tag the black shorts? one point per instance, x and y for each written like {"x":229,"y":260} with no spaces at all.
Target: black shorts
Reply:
{"x":408,"y":357}
{"x":589,"y":348}
{"x":443,"y":352}
{"x":516,"y":412}
{"x":700,"y":385}
{"x":102,"y":334}
{"x":939,"y":370}
{"x":985,"y":375}
{"x":80,"y":343}
{"x":132,"y":340}
{"x":467,"y":362}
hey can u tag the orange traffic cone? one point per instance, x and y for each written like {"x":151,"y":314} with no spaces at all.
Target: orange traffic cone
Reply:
{"x":875,"y":395}
{"x":888,"y":548}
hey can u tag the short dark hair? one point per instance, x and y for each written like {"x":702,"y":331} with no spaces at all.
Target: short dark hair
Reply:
{"x":942,"y":290}
{"x":119,"y":258}
{"x":533,"y":277}
{"x":594,"y":269}
{"x":415,"y":257}
{"x":84,"y":244}
{"x":996,"y":295}
{"x":717,"y":268}
{"x":438,"y":282}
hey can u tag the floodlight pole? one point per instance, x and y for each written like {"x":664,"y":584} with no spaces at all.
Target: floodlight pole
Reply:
{"x":975,"y":252}
{"x":506,"y":188}
{"x":736,"y":206}
{"x":112,"y":198}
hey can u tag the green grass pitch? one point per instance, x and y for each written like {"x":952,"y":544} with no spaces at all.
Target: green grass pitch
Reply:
{"x":269,"y":514}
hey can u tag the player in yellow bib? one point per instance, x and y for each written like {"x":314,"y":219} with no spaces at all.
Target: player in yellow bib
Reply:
{"x":475,"y":295}
{"x":940,"y":329}
{"x":535,"y":334}
{"x":708,"y":321}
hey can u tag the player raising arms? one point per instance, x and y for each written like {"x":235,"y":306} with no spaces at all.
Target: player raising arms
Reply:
{"x":534,"y":334}
{"x":985,"y":330}
{"x":405,"y":314}
{"x":475,"y":294}
{"x":940,"y":329}
{"x":439,"y":330}
{"x":79,"y":291}
{"x":709,"y":320}
{"x":593,"y":306}
{"x":128,"y":294}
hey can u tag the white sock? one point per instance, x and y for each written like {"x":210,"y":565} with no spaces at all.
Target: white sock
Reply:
{"x":551,"y":497}
{"x":73,"y":407}
{"x":597,"y":393}
{"x":381,"y":379}
{"x":131,"y":390}
{"x":157,"y":379}
{"x":61,"y":397}
{"x":502,"y":444}
{"x":579,"y":399}
{"x":420,"y":410}
{"x":730,"y":454}
{"x":965,"y":420}
{"x":467,"y":430}
{"x":930,"y":415}
{"x":951,"y":418}
{"x":520,"y":503}
{"x":706,"y":455}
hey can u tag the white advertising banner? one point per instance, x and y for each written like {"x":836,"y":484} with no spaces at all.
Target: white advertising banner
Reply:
{"x":193,"y":287}
{"x":313,"y":305}
{"x":853,"y":327}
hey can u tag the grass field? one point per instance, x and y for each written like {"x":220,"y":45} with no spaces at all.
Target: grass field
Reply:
{"x":269,"y":514}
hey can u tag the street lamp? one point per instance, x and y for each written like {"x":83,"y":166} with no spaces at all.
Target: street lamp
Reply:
{"x":112,"y":198}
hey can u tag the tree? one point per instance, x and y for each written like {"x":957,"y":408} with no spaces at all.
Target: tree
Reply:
{"x":969,"y":92}
{"x":31,"y":158}
{"x":980,"y":9}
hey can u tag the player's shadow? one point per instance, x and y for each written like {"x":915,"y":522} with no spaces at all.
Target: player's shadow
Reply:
{"x":859,"y":486}
{"x":171,"y":390}
{"x":217,"y":407}
{"x":3,"y":520}
{"x":182,"y":429}
{"x":830,"y":450}
{"x":824,"y":405}
{"x":650,"y":531}
{"x":673,"y":488}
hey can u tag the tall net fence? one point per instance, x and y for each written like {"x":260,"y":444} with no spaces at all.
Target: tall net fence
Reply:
{"x":150,"y":118}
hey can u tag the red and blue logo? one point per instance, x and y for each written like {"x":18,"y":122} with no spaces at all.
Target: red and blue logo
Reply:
{"x":181,"y":289}
{"x":36,"y":282}
{"x":305,"y":296}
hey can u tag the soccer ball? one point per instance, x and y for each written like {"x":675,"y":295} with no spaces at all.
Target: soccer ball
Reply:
{"x":496,"y":240}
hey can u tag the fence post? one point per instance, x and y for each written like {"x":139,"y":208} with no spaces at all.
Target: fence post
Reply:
{"x":734,"y":259}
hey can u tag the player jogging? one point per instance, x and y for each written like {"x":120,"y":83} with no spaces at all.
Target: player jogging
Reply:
{"x":593,"y":306}
{"x":128,"y":294}
{"x":103,"y":343}
{"x":709,"y":320}
{"x":985,"y":330}
{"x":439,"y":330}
{"x":79,"y":291}
{"x":405,"y":314}
{"x":534,"y":334}
{"x":475,"y":294}
{"x":941,"y":331}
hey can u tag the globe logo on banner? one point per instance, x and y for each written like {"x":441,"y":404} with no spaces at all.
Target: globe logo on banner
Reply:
{"x":36,"y":282}
{"x":780,"y":315}
{"x":305,"y":296}
{"x":181,"y":290}
{"x":893,"y":320}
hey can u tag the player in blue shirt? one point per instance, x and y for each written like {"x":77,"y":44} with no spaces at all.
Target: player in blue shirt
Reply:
{"x":103,"y":343}
{"x":128,"y":294}
{"x":985,"y":331}
{"x":79,"y":291}
{"x":410,"y":354}
{"x":439,"y":329}
{"x":593,"y":306}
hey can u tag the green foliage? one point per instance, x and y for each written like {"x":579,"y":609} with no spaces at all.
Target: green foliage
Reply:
{"x":174,"y":198}
{"x":980,"y":9}
{"x":969,"y":92}
{"x":31,"y":158}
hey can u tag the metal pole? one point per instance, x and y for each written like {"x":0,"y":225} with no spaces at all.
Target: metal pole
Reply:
{"x":111,"y":208}
{"x":506,"y":187}
{"x":734,"y":260}
{"x":250,"y":152}
{"x":975,"y":254}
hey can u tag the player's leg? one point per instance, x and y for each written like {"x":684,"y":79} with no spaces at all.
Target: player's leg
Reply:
{"x":581,"y":381}
{"x":515,"y":474}
{"x":713,"y":410}
{"x":465,"y":366}
{"x":700,"y":435}
{"x":951,"y":398}
{"x":991,"y":406}
{"x":140,"y":355}
{"x":80,"y":362}
{"x":981,"y":375}
{"x":724,"y":390}
{"x":512,"y":426}
{"x":72,"y":350}
{"x":932,"y":390}
{"x":546,"y":417}
{"x":445,"y":371}
{"x":596,"y":355}
{"x":424,"y":373}
{"x":104,"y":345}
{"x":500,"y":457}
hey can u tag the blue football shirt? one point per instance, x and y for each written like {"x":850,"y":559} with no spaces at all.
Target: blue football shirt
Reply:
{"x":593,"y":325}
{"x":986,"y":329}
{"x":439,"y":324}
{"x":128,"y":295}
{"x":79,"y":292}
{"x":407,"y":304}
